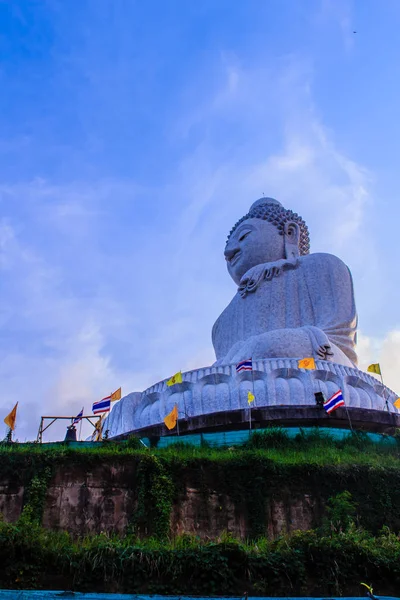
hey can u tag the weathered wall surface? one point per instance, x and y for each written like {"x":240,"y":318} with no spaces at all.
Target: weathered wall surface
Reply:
{"x":11,"y":499}
{"x":218,"y":513}
{"x":90,"y":501}
{"x":104,"y":499}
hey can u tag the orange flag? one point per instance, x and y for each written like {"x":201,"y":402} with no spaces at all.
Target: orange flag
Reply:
{"x":171,"y":419}
{"x":11,"y":418}
{"x":306,"y":363}
{"x":116,"y":395}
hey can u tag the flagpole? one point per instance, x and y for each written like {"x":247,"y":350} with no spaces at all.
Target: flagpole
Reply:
{"x":101,"y":427}
{"x":184,"y":404}
{"x":9,"y":435}
{"x":348,"y":416}
{"x":80,"y":427}
{"x":384,"y":391}
{"x":39,"y":435}
{"x":252,"y":379}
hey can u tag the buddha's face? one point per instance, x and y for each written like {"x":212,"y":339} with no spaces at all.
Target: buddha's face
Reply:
{"x":253,"y":242}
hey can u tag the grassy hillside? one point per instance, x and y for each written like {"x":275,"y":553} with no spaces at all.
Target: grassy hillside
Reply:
{"x":356,"y":482}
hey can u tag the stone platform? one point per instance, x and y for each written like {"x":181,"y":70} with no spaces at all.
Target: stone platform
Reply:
{"x":207,"y":395}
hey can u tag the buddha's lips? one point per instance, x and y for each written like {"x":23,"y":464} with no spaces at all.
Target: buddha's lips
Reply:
{"x":235,"y":257}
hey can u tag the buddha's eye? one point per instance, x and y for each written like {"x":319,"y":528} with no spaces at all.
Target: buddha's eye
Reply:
{"x":245,"y":234}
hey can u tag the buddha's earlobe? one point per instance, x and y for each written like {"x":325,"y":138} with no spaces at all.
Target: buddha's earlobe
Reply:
{"x":292,"y":238}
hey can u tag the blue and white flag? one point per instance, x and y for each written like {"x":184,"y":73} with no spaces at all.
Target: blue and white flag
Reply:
{"x":334,"y":402}
{"x":78,"y":418}
{"x":245,"y":365}
{"x":102,"y":406}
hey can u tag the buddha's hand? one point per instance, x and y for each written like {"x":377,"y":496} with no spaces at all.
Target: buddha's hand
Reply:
{"x":324,"y":352}
{"x":227,"y":359}
{"x":266,"y":271}
{"x":320,"y":343}
{"x":282,"y":343}
{"x":257,"y":346}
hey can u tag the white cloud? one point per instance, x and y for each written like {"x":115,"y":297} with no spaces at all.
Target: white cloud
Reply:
{"x":305,"y":170}
{"x":6,"y":239}
{"x":340,"y":14}
{"x":386,"y":352}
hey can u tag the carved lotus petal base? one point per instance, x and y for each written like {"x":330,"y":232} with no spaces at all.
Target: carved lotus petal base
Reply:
{"x":274,"y":382}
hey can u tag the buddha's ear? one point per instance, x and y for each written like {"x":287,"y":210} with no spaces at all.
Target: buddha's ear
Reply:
{"x":292,"y":239}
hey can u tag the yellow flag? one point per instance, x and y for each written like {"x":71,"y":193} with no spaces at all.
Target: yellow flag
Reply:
{"x":369,"y":588}
{"x":396,"y":403}
{"x":374,"y":369}
{"x":177,"y":378}
{"x":11,"y":418}
{"x":250,"y":397}
{"x":171,"y":419}
{"x":97,"y":434}
{"x":306,"y":363}
{"x":116,"y":395}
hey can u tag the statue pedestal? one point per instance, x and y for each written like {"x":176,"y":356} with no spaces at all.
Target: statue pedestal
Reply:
{"x":279,"y":387}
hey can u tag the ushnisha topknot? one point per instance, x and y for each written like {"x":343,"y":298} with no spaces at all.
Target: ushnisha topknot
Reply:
{"x":272,"y":211}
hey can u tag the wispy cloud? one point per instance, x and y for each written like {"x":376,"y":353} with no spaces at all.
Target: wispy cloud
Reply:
{"x":386,"y":352}
{"x":339,"y":13}
{"x":289,"y":154}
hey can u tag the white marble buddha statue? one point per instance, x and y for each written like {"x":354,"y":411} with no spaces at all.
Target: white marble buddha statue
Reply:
{"x":289,"y":303}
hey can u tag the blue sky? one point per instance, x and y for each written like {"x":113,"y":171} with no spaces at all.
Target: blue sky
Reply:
{"x":133,"y":135}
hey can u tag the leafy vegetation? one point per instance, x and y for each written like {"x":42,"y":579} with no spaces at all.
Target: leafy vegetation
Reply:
{"x":356,"y":485}
{"x":305,"y":563}
{"x":340,"y":513}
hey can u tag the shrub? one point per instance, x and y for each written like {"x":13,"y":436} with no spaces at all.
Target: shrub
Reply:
{"x":358,"y":440}
{"x":313,"y":437}
{"x":340,"y":513}
{"x":273,"y":437}
{"x":134,"y":443}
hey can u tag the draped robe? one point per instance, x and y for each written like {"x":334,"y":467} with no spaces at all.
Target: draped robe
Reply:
{"x":316,"y":295}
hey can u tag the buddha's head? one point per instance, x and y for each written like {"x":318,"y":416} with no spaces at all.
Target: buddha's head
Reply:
{"x":266,"y":234}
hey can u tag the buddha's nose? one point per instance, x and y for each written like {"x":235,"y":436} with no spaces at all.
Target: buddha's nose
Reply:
{"x":230,"y":251}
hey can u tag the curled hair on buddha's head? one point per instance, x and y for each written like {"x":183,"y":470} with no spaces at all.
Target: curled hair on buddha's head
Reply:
{"x":271,"y":210}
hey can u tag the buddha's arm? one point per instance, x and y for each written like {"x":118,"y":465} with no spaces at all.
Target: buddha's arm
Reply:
{"x":330,"y":288}
{"x":282,"y":343}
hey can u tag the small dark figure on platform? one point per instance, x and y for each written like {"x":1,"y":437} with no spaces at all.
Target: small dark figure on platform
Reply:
{"x":70,"y":436}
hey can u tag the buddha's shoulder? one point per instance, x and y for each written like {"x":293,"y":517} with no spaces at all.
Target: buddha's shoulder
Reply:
{"x":323,"y":261}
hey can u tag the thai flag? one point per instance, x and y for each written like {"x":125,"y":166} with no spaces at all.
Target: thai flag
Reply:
{"x":78,"y":418}
{"x":334,"y":402}
{"x":245,"y":365}
{"x":102,"y":406}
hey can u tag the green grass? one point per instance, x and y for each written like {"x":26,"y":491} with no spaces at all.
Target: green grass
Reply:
{"x":315,"y":447}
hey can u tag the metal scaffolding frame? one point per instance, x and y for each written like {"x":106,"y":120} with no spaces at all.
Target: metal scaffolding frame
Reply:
{"x":42,"y":429}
